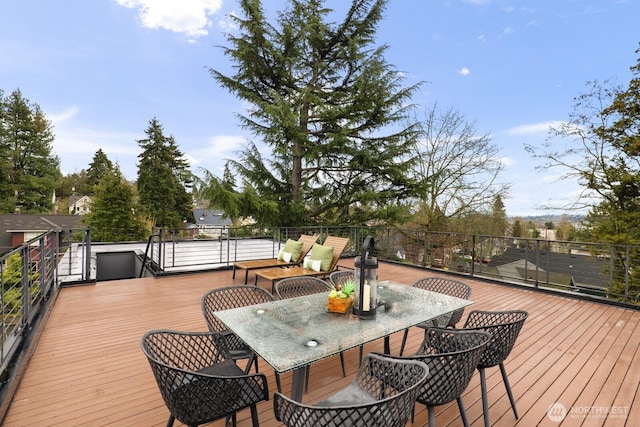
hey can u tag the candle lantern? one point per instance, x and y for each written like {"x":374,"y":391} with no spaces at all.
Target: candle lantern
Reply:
{"x":366,"y":274}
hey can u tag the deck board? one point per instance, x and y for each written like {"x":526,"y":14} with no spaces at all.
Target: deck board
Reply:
{"x":88,"y":368}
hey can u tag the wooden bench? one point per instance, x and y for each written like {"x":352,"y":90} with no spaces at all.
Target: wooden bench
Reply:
{"x":256,"y":264}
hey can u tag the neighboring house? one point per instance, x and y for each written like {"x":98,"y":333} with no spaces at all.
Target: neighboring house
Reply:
{"x":578,"y":270}
{"x":15,"y":229}
{"x":79,"y":205}
{"x":211,"y":222}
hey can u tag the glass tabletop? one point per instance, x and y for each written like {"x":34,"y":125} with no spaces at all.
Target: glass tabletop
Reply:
{"x":291,"y":333}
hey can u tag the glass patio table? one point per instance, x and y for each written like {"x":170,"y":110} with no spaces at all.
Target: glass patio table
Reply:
{"x":292,"y":333}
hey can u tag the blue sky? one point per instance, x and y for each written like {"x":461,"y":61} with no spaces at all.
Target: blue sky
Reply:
{"x":102,"y":69}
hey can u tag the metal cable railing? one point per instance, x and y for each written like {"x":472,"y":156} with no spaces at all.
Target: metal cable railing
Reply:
{"x":34,"y":270}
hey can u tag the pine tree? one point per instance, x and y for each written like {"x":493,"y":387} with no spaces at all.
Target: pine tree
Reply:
{"x":163,"y":179}
{"x":99,"y":167}
{"x":499,"y":223}
{"x":323,"y":100}
{"x":516,"y":231}
{"x":6,"y":195}
{"x":113,"y":211}
{"x":30,"y":172}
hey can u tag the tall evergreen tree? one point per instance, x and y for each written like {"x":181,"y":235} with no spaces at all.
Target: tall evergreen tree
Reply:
{"x":163,"y":179}
{"x":516,"y":231}
{"x":30,"y":172}
{"x":499,"y":223}
{"x":323,"y":99}
{"x":6,"y":195}
{"x":113,"y":211}
{"x":99,"y":167}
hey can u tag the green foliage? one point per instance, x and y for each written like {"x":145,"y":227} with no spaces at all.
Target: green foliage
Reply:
{"x":29,"y":172}
{"x":99,"y":167}
{"x":12,"y":272}
{"x":499,"y":223}
{"x":13,"y":301}
{"x":322,"y":99}
{"x":516,"y":230}
{"x":73,"y":183}
{"x":566,"y":230}
{"x":595,"y":150}
{"x":163,"y":178}
{"x":113,"y":216}
{"x":602,"y":150}
{"x":624,"y":132}
{"x":12,"y":285}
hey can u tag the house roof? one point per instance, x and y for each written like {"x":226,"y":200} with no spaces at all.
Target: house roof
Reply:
{"x":29,"y":223}
{"x":210,"y":217}
{"x":76,"y":198}
{"x":584,"y":270}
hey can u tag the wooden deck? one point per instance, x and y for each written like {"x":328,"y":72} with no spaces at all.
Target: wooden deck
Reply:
{"x":88,"y":368}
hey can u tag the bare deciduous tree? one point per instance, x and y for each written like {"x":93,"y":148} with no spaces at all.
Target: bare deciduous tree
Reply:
{"x":459,"y":168}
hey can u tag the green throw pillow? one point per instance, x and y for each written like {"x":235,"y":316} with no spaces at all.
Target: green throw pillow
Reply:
{"x":292,"y":247}
{"x":323,"y":254}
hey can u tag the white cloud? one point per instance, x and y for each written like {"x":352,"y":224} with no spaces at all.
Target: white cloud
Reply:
{"x":228,"y":25}
{"x":506,"y":161}
{"x":76,"y":143}
{"x":216,"y":151}
{"x":63,"y":116}
{"x":187,"y":17}
{"x":464,"y":71}
{"x":76,"y":146}
{"x":75,"y":140}
{"x":534,"y":128}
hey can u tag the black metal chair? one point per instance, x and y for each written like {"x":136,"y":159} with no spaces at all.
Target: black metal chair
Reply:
{"x":300,"y":286}
{"x":292,"y":287}
{"x":338,"y":277}
{"x":197,"y":378}
{"x":445,"y":286}
{"x":504,"y":327}
{"x":232,"y":297}
{"x":382,"y":394}
{"x":452,"y":357}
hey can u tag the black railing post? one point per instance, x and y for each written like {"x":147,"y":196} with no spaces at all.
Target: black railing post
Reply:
{"x":87,"y":255}
{"x":627,"y":263}
{"x":611,"y":267}
{"x":473,"y":254}
{"x":24,"y":283}
{"x":161,"y":249}
{"x":548,"y":258}
{"x":427,"y":257}
{"x":41,"y":257}
{"x":537,"y":262}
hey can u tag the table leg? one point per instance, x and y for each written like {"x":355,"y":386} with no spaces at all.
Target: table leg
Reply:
{"x":387,"y":346}
{"x":297,"y":383}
